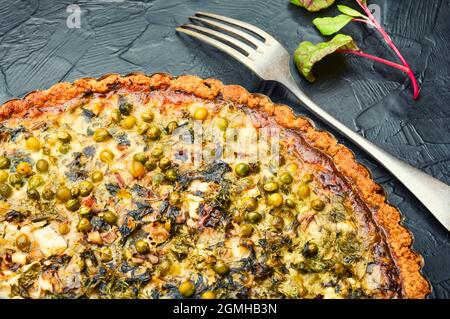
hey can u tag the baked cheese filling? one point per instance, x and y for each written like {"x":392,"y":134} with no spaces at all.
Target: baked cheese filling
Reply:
{"x":109,"y":199}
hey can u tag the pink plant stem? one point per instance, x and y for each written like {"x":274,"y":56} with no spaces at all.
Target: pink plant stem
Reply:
{"x":377,"y":59}
{"x":386,"y":36}
{"x":389,"y":63}
{"x":389,"y":41}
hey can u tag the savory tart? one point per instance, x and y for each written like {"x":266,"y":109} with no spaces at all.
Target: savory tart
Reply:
{"x":100,"y":197}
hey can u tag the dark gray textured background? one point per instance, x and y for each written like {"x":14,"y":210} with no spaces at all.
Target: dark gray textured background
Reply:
{"x":37,"y":49}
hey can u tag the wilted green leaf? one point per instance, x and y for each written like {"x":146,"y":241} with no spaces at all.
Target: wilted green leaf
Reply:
{"x":308,"y":54}
{"x":349,"y":11}
{"x":331,"y":25}
{"x":313,"y":5}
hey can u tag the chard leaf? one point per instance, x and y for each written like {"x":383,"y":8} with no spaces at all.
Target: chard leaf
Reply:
{"x":308,"y":54}
{"x":331,"y":25}
{"x":350,"y":12}
{"x":313,"y":5}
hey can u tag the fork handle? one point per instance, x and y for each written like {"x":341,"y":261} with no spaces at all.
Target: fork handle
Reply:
{"x":434,"y":194}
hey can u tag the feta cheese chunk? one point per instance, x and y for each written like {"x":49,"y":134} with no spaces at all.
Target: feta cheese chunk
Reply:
{"x":50,"y":242}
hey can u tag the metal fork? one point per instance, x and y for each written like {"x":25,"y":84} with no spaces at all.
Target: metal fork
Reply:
{"x":265,"y":56}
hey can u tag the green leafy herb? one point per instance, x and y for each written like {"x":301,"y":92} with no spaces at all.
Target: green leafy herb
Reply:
{"x":27,"y":278}
{"x":308,"y":54}
{"x":313,"y":5}
{"x":350,"y":12}
{"x":25,"y":281}
{"x":328,"y":26}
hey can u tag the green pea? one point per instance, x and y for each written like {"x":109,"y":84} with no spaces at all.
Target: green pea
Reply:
{"x":150,"y":165}
{"x":171,"y":174}
{"x":253,"y":217}
{"x":140,"y":157}
{"x":48,"y":194}
{"x":275,"y":200}
{"x":16,"y":180}
{"x":292,"y":168}
{"x":4,"y":162}
{"x":101,"y":135}
{"x":137,"y":169}
{"x":208,"y":295}
{"x":5,"y":190}
{"x":128,"y":122}
{"x":164,"y":163}
{"x":64,"y":229}
{"x":270,"y":187}
{"x":309,"y":249}
{"x":24,"y":169}
{"x":186,"y":289}
{"x":142,"y":247}
{"x":23,"y":242}
{"x":242,"y":169}
{"x":33,"y":144}
{"x":125,"y":108}
{"x":246,"y":230}
{"x":303,"y":191}
{"x":147,"y":116}
{"x":172,"y":126}
{"x":106,"y":156}
{"x":97,"y":176}
{"x":86,"y":188}
{"x":85,"y":212}
{"x":33,"y":194}
{"x":153,"y":132}
{"x":42,"y":165}
{"x":64,"y":148}
{"x":200,"y":113}
{"x":317,"y":204}
{"x":142,"y":128}
{"x":221,"y":268}
{"x":75,"y":192}
{"x":110,"y":218}
{"x":250,"y":203}
{"x":286,"y":178}
{"x":222,"y":124}
{"x":64,"y":136}
{"x":3,"y":175}
{"x":158,"y":178}
{"x":73,"y":204}
{"x":35,"y":181}
{"x":84,"y":225}
{"x":157,"y":152}
{"x":63,"y":194}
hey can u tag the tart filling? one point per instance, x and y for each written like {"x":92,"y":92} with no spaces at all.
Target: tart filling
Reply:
{"x":108,"y":192}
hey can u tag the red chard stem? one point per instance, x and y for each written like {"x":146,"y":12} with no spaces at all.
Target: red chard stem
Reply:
{"x":391,"y":44}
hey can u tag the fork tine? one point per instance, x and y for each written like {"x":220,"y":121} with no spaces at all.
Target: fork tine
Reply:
{"x":256,"y":42}
{"x":241,"y":24}
{"x":222,"y":36}
{"x":219,"y":45}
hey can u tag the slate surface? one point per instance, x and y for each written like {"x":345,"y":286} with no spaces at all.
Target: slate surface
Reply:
{"x":37,"y":49}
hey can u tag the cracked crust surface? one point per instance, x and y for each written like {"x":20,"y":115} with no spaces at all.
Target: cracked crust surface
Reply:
{"x":387,"y":217}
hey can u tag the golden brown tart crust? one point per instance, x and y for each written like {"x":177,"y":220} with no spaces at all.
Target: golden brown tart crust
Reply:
{"x":387,"y":217}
